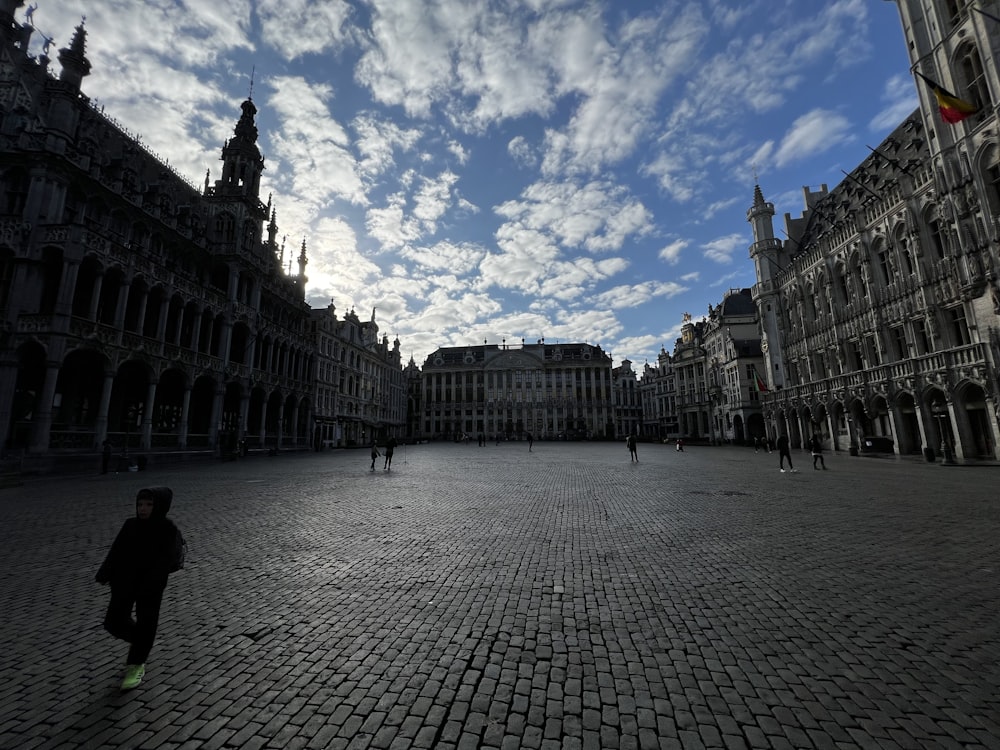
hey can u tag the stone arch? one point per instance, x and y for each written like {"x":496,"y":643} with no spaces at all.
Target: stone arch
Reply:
{"x":134,"y":304}
{"x":908,"y":435}
{"x":201,"y":410}
{"x":31,"y":366}
{"x":272,"y":420}
{"x":820,"y":424}
{"x":90,"y":270}
{"x":976,"y":434}
{"x":128,"y":402}
{"x":79,"y":387}
{"x":239,"y":343}
{"x":111,"y":289}
{"x":938,"y":425}
{"x":168,"y":407}
{"x":154,"y":310}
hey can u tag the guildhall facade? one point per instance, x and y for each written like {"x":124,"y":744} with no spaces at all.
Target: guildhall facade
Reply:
{"x":138,"y":309}
{"x":880,"y":312}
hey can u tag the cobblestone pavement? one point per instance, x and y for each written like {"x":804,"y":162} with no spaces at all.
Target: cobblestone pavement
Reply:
{"x":491,"y":597}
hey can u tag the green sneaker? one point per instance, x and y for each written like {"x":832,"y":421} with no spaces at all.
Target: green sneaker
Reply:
{"x":133,"y":676}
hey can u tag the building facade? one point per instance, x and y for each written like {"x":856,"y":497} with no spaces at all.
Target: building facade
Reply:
{"x":553,"y":391}
{"x":657,"y":388}
{"x":139,"y":309}
{"x":880,"y":315}
{"x":628,"y":401}
{"x":732,"y":345}
{"x":360,"y":383}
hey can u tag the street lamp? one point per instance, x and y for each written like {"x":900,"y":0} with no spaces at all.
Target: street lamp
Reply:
{"x":940,"y":412}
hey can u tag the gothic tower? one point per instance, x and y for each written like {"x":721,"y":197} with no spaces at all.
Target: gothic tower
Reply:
{"x":768,"y":257}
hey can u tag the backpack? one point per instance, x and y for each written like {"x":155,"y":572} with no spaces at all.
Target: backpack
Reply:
{"x":179,"y":552}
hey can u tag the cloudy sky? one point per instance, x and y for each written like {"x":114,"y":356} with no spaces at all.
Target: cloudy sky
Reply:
{"x":488,"y":169}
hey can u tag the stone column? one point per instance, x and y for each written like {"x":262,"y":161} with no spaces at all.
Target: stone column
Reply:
{"x":95,"y":299}
{"x":213,"y":425}
{"x":182,"y":428}
{"x":146,"y":433}
{"x":41,"y":421}
{"x":101,"y":425}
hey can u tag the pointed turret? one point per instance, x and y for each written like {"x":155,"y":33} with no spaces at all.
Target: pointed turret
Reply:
{"x":242,"y":163}
{"x":272,"y":228}
{"x":768,"y":257}
{"x":302,"y":261}
{"x":766,"y":250}
{"x":73,"y":59}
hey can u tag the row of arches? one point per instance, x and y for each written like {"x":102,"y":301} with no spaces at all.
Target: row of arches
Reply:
{"x":136,"y":305}
{"x":963,"y":422}
{"x":86,"y":399}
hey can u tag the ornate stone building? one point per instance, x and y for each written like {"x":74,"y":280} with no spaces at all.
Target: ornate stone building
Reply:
{"x":360,"y":384}
{"x":554,"y":391}
{"x":136,"y":307}
{"x":657,"y":389}
{"x":880,"y":314}
{"x":628,"y":402}
{"x":732,"y":345}
{"x":706,"y":389}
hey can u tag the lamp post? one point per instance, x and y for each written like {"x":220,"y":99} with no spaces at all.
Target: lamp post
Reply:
{"x":940,"y":412}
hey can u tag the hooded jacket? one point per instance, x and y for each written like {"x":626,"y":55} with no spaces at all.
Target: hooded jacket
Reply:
{"x":145,"y":551}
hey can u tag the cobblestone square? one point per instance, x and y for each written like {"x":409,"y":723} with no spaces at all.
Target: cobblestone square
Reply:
{"x":495,"y":597}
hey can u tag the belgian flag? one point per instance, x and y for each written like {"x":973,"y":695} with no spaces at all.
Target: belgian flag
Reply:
{"x":951,"y":107}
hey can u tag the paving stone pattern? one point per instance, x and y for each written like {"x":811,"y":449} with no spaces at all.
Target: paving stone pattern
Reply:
{"x":496,"y":598}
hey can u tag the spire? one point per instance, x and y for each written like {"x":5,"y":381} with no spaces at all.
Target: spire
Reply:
{"x":302,"y":260}
{"x":246,"y":129}
{"x":242,"y":163}
{"x":73,"y":58}
{"x":272,"y":227}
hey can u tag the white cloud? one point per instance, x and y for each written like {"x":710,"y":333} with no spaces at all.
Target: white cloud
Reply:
{"x":459,"y":258}
{"x":812,"y":133}
{"x":299,"y":27}
{"x":721,"y":249}
{"x":377,"y":141}
{"x":900,"y":97}
{"x":597,"y":216}
{"x":522,"y":152}
{"x":672,"y":252}
{"x":633,"y":295}
{"x":312,"y":143}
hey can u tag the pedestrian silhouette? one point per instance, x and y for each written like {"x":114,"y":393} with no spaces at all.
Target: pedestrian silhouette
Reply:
{"x":630,"y":441}
{"x":390,"y":445}
{"x":145,"y":552}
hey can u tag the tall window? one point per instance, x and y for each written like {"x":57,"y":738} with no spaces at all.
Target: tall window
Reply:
{"x":976,"y":89}
{"x":937,"y":240}
{"x":991,"y":177}
{"x":897,"y":337}
{"x":959,"y":326}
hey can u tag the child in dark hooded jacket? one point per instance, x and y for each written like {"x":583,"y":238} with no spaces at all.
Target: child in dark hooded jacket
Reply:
{"x":146,"y":551}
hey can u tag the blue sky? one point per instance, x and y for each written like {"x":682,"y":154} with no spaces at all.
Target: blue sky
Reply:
{"x":479,"y":170}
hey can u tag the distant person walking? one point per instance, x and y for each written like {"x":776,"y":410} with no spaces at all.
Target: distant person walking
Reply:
{"x":630,"y":441}
{"x":816,"y":446}
{"x":390,"y":446}
{"x":531,"y":441}
{"x":680,"y":445}
{"x":783,"y":453}
{"x":375,"y":453}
